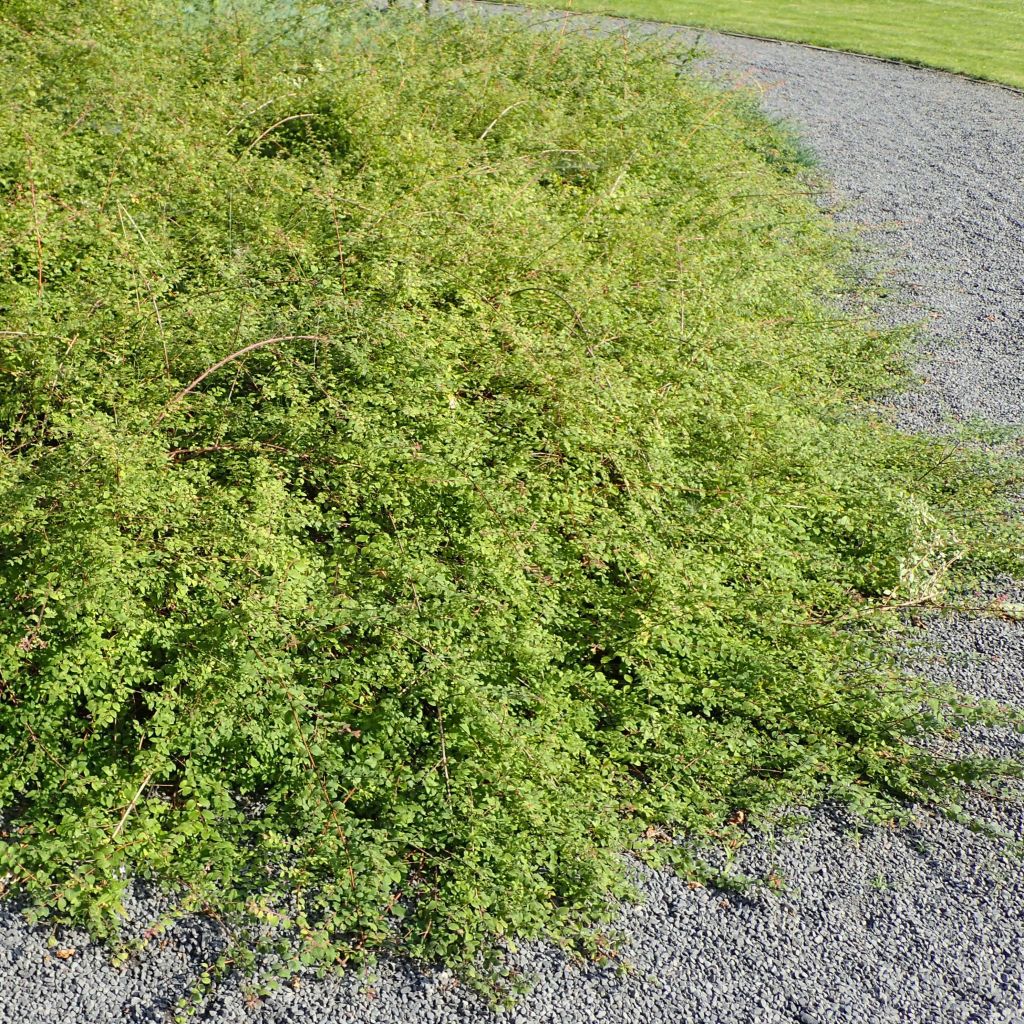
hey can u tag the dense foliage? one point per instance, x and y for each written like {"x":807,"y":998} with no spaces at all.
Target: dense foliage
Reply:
{"x":430,"y":463}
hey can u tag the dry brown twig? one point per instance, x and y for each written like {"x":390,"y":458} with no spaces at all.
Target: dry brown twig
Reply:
{"x":230,"y":358}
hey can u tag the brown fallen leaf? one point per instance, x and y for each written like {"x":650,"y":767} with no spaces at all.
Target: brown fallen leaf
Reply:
{"x":65,"y":954}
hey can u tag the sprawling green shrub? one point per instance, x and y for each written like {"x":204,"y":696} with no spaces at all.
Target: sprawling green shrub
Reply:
{"x":430,"y":463}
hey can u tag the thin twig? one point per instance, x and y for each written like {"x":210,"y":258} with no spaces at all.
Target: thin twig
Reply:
{"x":715,"y":110}
{"x":78,"y":120}
{"x":35,"y":211}
{"x":149,"y":287}
{"x":341,"y":832}
{"x":337,"y":235}
{"x":539,"y":254}
{"x":135,"y":799}
{"x":277,"y":124}
{"x":939,"y":462}
{"x":577,"y":319}
{"x":444,"y":757}
{"x":255,"y":110}
{"x":184,"y":454}
{"x":227,"y":359}
{"x":42,"y":746}
{"x":509,"y":108}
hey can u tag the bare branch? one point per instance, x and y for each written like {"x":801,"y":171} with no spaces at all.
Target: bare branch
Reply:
{"x":227,"y":359}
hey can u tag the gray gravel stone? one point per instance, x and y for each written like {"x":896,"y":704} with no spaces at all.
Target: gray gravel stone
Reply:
{"x":919,"y":926}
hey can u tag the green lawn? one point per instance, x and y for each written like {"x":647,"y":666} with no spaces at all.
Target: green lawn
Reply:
{"x":984,"y":38}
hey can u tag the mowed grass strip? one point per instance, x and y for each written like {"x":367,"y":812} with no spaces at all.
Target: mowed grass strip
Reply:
{"x":983,"y":39}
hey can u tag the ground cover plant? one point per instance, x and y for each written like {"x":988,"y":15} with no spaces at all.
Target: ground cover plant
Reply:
{"x":984,"y":39}
{"x":430,"y":465}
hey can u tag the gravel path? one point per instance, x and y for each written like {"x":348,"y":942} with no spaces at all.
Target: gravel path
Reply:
{"x":923,"y":925}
